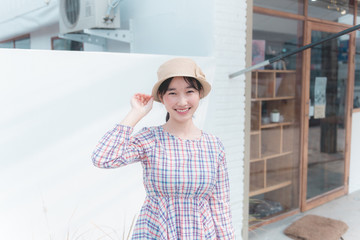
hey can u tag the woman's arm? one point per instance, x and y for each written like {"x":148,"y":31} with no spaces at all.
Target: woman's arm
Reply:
{"x":116,"y":148}
{"x":141,"y":104}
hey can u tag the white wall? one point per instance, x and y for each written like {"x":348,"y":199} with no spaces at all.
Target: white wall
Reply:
{"x":13,"y":8}
{"x":228,"y":117}
{"x":41,"y":38}
{"x":354,"y":180}
{"x":55,"y":106}
{"x":170,"y":27}
{"x":19,"y":17}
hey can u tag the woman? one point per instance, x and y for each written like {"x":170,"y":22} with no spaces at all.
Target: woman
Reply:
{"x":185,"y":174}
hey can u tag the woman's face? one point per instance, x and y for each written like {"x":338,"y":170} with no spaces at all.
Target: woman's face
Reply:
{"x":181,"y":100}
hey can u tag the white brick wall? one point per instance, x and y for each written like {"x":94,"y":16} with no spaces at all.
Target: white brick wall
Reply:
{"x":228,"y":121}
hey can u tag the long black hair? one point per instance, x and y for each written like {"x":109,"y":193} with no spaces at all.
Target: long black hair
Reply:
{"x":193,"y":82}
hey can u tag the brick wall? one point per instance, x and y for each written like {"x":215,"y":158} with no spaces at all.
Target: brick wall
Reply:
{"x":228,"y":121}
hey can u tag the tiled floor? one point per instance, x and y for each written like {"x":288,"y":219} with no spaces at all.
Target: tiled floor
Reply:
{"x":346,"y":208}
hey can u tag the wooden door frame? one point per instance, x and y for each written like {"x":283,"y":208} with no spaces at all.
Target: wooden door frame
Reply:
{"x":343,"y":190}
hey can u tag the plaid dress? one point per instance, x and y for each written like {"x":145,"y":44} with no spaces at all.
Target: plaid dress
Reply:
{"x":186,"y":182}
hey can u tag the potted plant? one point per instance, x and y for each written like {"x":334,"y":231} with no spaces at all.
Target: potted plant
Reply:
{"x":275,"y":115}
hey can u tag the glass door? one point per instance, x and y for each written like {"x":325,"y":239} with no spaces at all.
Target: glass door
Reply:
{"x":325,"y":133}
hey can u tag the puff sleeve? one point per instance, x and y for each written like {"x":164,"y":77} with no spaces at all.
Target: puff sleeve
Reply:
{"x":117,"y":148}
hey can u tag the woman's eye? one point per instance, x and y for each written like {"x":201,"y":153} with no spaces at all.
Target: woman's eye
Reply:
{"x":190,"y":91}
{"x":171,"y":93}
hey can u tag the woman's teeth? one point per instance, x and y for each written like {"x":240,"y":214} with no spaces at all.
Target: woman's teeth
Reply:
{"x":183,"y":110}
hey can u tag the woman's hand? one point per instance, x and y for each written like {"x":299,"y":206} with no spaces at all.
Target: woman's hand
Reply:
{"x":141,"y":104}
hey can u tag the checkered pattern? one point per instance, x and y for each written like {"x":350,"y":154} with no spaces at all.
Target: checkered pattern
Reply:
{"x":186,"y":182}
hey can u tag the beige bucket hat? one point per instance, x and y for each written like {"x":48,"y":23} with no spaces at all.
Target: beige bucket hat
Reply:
{"x":180,"y":67}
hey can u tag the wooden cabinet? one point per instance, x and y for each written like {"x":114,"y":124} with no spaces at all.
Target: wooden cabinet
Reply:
{"x":273,"y":157}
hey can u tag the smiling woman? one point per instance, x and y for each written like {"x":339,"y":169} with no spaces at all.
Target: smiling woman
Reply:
{"x":185,"y":170}
{"x":191,"y":87}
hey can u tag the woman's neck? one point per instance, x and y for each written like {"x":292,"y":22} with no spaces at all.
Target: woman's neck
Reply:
{"x":186,"y":130}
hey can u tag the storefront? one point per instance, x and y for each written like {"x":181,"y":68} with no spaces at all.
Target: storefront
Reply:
{"x":301,"y":107}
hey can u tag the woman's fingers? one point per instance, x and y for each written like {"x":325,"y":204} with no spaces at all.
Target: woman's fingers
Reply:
{"x":149,"y":101}
{"x":142,"y":98}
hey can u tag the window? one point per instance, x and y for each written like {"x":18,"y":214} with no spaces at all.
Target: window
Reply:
{"x":65,"y":44}
{"x":275,"y":119}
{"x":291,"y":6}
{"x":275,"y":35}
{"x":356,"y":103}
{"x":9,"y":44}
{"x":357,"y":74}
{"x":22,"y":42}
{"x":335,"y":10}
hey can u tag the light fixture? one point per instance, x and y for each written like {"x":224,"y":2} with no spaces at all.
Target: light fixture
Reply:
{"x":338,"y":5}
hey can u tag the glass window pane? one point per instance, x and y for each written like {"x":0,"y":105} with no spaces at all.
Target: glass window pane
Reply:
{"x":64,"y":44}
{"x":357,"y":13}
{"x":332,"y":10}
{"x":275,"y":121}
{"x":9,"y":44}
{"x":327,"y":128}
{"x":357,"y":65}
{"x":23,"y":43}
{"x":292,"y":6}
{"x":357,"y":72}
{"x":277,"y":35}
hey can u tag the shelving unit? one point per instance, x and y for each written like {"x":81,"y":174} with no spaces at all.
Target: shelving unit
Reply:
{"x":271,"y":152}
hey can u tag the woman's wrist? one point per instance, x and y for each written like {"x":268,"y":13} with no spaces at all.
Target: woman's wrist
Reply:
{"x":132,"y":118}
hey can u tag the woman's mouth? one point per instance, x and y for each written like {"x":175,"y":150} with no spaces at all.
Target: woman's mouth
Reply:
{"x":182,"y":110}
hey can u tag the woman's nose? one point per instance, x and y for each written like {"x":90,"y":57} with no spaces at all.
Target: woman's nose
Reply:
{"x":182,"y":100}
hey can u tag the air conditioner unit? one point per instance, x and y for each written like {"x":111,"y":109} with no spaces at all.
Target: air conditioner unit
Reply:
{"x":76,"y":15}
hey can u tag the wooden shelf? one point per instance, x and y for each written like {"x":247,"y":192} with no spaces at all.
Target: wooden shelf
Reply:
{"x":271,"y":125}
{"x":270,"y":188}
{"x":272,"y":150}
{"x":271,"y":156}
{"x":272,"y":71}
{"x":256,"y":160}
{"x":273,"y":98}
